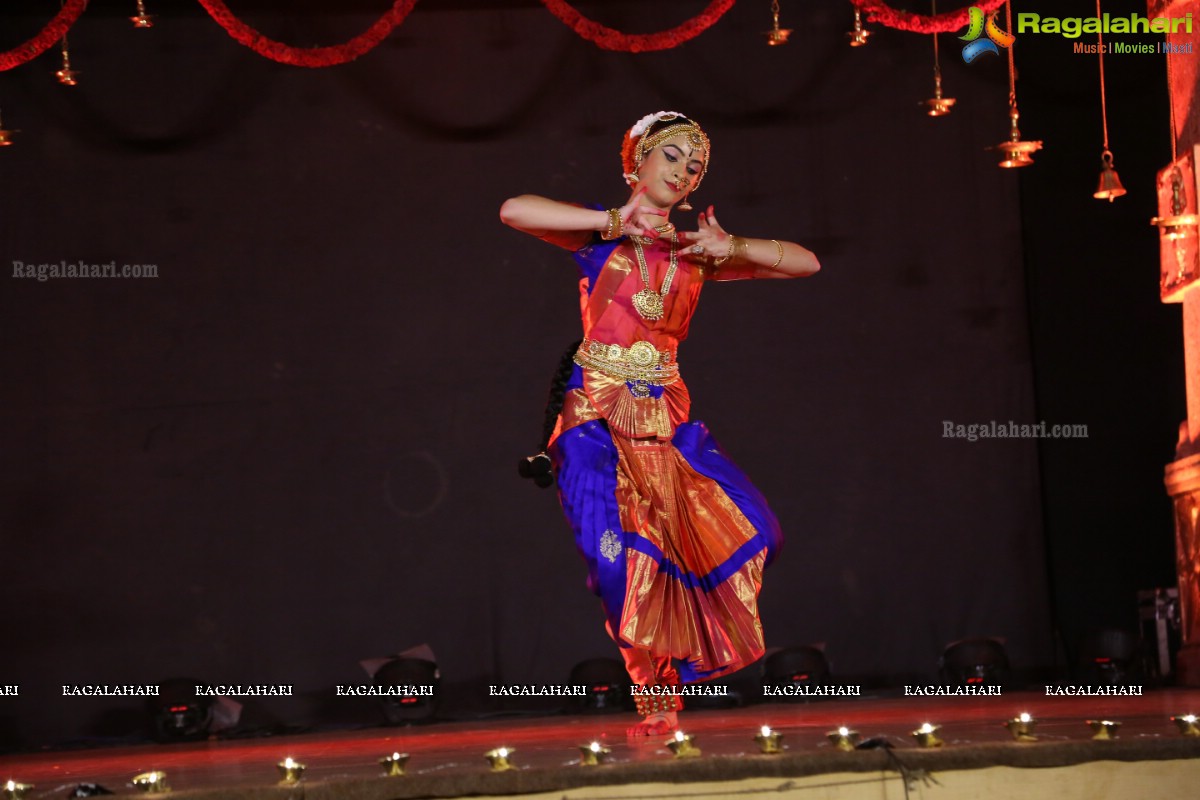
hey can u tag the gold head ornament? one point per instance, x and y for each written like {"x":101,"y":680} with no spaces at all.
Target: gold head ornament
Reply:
{"x":695,"y":135}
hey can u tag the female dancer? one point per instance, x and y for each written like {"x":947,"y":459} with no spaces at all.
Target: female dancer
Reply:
{"x":674,"y":535}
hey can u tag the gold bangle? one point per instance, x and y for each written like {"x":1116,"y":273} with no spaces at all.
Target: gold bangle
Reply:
{"x":728,"y":253}
{"x":615,"y":225}
{"x":779,"y":260}
{"x":741,"y":251}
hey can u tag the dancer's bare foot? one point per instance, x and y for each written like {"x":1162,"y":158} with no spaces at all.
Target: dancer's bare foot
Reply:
{"x":661,"y":724}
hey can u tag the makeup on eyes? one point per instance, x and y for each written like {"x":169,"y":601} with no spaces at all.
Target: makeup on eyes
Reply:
{"x":674,"y":157}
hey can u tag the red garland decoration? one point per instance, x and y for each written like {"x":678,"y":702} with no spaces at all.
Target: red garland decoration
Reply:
{"x":949,"y":22}
{"x":610,"y":39}
{"x":604,"y":37}
{"x":309,"y":56}
{"x":39,"y":44}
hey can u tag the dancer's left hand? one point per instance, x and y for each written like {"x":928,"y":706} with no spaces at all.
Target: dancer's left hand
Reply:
{"x":708,"y":243}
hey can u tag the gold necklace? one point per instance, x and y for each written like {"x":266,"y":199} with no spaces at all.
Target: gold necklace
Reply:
{"x":647,"y":302}
{"x":662,"y":230}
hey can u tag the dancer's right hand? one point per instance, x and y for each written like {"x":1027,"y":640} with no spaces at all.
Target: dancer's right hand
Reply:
{"x":639,"y":220}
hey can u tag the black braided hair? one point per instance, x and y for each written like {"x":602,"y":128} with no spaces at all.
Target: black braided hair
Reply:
{"x":537,"y":467}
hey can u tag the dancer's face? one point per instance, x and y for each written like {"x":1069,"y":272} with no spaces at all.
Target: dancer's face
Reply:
{"x":671,"y":170}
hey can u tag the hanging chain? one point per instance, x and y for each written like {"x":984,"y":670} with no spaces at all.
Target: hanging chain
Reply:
{"x":937,"y":67}
{"x":1103,"y":101}
{"x":1012,"y":64}
{"x":1171,"y":105}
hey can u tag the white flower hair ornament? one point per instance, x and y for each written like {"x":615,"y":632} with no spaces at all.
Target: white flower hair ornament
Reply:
{"x":645,"y":122}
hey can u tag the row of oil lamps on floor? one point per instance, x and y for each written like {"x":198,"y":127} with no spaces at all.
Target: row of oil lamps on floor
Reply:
{"x":681,"y":744}
{"x":1021,"y":727}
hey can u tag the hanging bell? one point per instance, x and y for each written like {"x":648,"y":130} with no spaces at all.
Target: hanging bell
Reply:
{"x":858,"y":36}
{"x":1110,"y":187}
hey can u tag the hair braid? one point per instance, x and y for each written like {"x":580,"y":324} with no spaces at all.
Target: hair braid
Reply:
{"x":537,"y":467}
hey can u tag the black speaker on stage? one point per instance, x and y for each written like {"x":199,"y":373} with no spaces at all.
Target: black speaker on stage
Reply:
{"x":1109,"y":657}
{"x":412,"y":678}
{"x":177,"y":714}
{"x":607,"y":682}
{"x":974,"y":662}
{"x":796,"y":666}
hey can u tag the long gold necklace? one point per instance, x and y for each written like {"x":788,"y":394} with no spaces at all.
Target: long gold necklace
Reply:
{"x":647,"y":302}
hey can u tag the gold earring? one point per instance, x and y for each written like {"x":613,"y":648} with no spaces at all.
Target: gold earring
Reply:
{"x":684,"y":205}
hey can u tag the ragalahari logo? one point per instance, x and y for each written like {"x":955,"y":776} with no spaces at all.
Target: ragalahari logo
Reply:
{"x":975,"y":46}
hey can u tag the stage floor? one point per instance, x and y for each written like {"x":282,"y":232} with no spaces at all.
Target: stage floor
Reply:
{"x":447,"y":759}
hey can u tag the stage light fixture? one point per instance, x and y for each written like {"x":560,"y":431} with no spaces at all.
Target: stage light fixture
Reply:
{"x":408,"y":675}
{"x":843,"y":739}
{"x":178,"y":714}
{"x":290,"y":770}
{"x":594,"y":754}
{"x":974,"y":662}
{"x":796,"y":666}
{"x":154,"y":782}
{"x":393,"y":765}
{"x":1108,"y":657}
{"x":1189,"y":724}
{"x":769,"y":741}
{"x":683,"y":745}
{"x":927,"y":735}
{"x":607,"y":682}
{"x":1021,"y":727}
{"x":499,"y":758}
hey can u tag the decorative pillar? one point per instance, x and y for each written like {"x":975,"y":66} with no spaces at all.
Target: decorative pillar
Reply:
{"x":1178,"y":187}
{"x":1183,"y":484}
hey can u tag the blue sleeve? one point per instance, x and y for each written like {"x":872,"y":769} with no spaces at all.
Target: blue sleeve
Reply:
{"x":591,"y":257}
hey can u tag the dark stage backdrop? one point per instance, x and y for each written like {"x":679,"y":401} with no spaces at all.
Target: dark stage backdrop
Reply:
{"x":295,"y":448}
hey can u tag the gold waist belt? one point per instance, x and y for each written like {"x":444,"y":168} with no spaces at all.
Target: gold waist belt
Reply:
{"x":640,"y":362}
